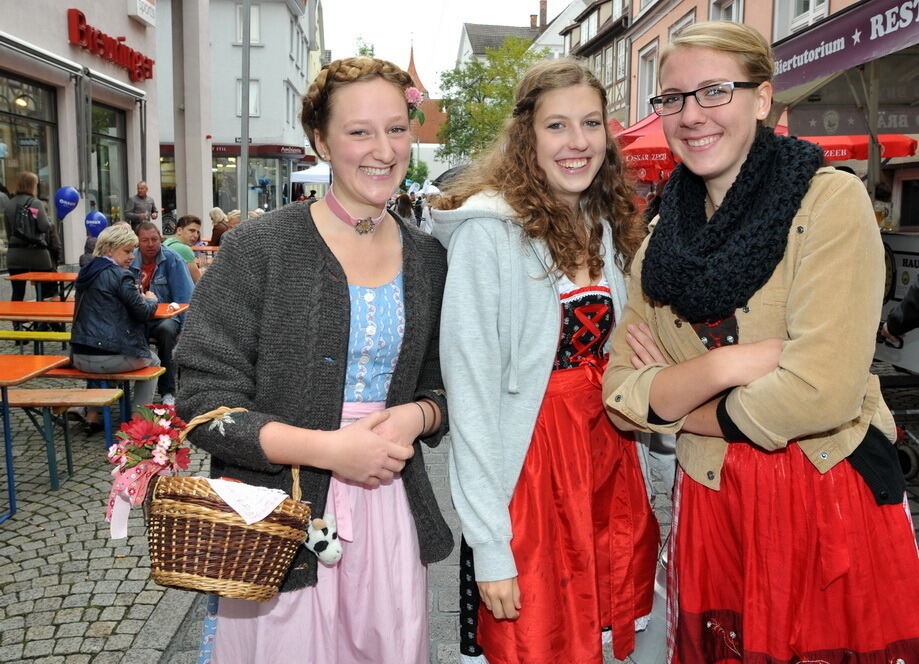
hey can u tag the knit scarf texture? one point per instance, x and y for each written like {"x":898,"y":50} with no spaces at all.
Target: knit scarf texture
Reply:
{"x":705,"y":269}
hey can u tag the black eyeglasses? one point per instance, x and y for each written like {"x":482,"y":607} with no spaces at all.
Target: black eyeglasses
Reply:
{"x":709,"y":96}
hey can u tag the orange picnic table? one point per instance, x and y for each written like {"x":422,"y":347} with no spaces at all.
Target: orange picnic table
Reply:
{"x":62,"y":312}
{"x":39,"y":278}
{"x":15,"y":370}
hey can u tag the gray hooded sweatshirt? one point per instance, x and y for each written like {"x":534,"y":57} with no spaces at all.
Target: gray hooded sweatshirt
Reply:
{"x":500,"y":325}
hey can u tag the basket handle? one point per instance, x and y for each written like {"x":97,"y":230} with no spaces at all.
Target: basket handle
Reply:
{"x":218,"y":413}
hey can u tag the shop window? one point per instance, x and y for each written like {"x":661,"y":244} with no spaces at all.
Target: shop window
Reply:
{"x":28,"y":140}
{"x":226,"y":189}
{"x":254,"y":24}
{"x":108,"y":186}
{"x":254,"y":98}
{"x":647,"y":78}
{"x":727,"y":10}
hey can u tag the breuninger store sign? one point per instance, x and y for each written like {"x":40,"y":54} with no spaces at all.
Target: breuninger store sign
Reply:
{"x":109,"y":48}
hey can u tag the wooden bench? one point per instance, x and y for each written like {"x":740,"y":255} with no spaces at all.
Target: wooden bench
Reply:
{"x":124,"y":377}
{"x":38,"y":338}
{"x":59,"y":400}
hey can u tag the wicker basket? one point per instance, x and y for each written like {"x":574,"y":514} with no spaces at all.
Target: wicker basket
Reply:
{"x":197,"y":542}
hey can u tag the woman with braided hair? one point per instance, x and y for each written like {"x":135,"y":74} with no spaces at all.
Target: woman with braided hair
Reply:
{"x":559,"y":537}
{"x":322,"y":319}
{"x":749,"y":332}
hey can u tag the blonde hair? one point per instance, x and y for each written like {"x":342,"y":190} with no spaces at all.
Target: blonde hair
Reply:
{"x":233,"y":214}
{"x":217,"y":215}
{"x":746,"y":45}
{"x":510,"y":168}
{"x":114,"y":237}
{"x":316,"y":106}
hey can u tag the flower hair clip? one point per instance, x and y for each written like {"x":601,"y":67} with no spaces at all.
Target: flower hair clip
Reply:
{"x":414,"y":97}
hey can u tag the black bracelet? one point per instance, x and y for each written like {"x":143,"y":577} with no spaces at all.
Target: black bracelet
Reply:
{"x":424,"y":419}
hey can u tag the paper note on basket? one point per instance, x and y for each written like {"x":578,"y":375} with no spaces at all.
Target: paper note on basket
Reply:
{"x":252,"y":503}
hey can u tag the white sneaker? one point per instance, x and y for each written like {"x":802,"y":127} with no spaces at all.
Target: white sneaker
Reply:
{"x":169,"y":399}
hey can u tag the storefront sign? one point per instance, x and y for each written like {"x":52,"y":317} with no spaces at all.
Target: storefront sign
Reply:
{"x":143,"y":11}
{"x":109,"y":48}
{"x":809,"y":120}
{"x":167,"y":150}
{"x":866,"y":32}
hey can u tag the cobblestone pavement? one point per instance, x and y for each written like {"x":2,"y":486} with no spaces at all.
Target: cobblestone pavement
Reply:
{"x":70,"y":595}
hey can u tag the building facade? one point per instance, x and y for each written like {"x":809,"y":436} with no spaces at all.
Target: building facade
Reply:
{"x":78,"y":99}
{"x":286,"y":43}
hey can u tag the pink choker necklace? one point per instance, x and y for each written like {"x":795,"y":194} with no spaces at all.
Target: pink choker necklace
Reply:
{"x":361,"y":226}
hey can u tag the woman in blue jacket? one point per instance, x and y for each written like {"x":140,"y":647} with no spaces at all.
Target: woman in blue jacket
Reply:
{"x":108,"y":333}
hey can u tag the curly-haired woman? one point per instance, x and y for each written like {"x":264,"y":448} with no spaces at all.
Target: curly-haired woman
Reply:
{"x":339,"y":372}
{"x":555,"y":514}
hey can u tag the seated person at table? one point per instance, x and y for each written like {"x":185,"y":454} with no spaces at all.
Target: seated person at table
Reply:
{"x":188,"y":232}
{"x":163,"y":272}
{"x":110,"y":321}
{"x":219,"y":225}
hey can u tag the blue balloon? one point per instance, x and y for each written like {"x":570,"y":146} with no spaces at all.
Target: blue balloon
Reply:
{"x":65,"y":200}
{"x":95,"y":223}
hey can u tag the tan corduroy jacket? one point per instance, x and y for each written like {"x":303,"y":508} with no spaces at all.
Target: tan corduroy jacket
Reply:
{"x":824,"y":298}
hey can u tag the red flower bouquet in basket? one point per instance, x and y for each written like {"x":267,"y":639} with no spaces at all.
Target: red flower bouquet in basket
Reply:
{"x":147,"y":446}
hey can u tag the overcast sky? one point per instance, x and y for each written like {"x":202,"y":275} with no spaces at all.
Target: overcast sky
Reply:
{"x":434,"y":26}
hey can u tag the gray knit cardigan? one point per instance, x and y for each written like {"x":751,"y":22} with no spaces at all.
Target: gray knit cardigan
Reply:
{"x":267,"y":330}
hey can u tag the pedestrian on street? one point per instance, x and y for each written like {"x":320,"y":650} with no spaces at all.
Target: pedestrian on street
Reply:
{"x":559,"y":538}
{"x":750,"y":330}
{"x":322,"y":319}
{"x":140,"y":207}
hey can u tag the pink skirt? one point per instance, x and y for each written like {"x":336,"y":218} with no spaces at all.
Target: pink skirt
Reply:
{"x":371,"y":607}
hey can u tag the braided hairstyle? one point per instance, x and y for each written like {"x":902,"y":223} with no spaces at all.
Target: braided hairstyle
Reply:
{"x":317,"y":102}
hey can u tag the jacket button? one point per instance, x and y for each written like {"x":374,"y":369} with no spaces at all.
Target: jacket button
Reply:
{"x":824,"y":455}
{"x":884,"y":495}
{"x":710,"y":474}
{"x":678,"y":322}
{"x":618,"y":398}
{"x":800,"y":229}
{"x":746,"y":309}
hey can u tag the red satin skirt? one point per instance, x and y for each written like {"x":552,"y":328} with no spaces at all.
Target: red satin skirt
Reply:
{"x":785,"y":565}
{"x":585,"y":540}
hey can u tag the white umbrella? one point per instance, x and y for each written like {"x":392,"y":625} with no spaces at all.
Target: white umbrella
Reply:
{"x":321,"y":173}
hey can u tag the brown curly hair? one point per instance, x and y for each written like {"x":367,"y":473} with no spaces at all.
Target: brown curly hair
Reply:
{"x":317,"y":102}
{"x":510,"y":168}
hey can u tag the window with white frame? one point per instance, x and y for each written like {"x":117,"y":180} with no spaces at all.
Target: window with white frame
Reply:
{"x":254,"y":98}
{"x":620,"y":59}
{"x":680,"y":25}
{"x":567,"y":43}
{"x":254,"y":24}
{"x":805,"y":12}
{"x":727,"y":10}
{"x":597,"y":61}
{"x":589,"y":28}
{"x":647,"y":77}
{"x":608,"y":65}
{"x":619,"y":7}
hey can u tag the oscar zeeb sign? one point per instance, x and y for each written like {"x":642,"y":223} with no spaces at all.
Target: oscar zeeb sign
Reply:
{"x":866,"y":32}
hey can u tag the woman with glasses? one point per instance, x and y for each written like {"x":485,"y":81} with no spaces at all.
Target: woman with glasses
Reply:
{"x":749,"y":331}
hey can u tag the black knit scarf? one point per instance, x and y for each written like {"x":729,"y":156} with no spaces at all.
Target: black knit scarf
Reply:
{"x":706,"y":269}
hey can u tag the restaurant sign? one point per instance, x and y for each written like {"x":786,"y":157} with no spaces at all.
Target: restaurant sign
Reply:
{"x":109,"y":48}
{"x":809,"y":120}
{"x":865,"y":32}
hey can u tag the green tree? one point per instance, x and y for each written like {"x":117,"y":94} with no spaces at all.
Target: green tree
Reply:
{"x":417,"y":170}
{"x":479,"y":95}
{"x":364,"y":49}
